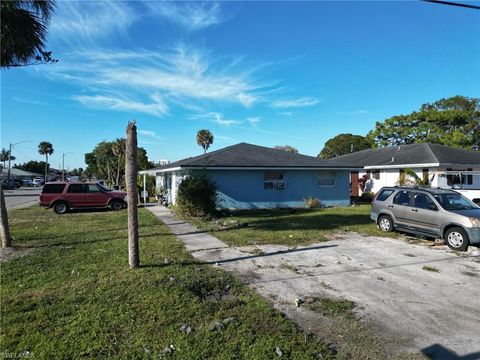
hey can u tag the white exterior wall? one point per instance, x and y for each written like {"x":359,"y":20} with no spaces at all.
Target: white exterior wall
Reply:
{"x":436,"y":176}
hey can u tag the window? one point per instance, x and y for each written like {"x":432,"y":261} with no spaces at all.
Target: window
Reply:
{"x":274,"y":180}
{"x":402,"y":198}
{"x":53,"y":188}
{"x":423,"y":201}
{"x":93,"y":188}
{"x":384,"y":195}
{"x":326,"y":179}
{"x":76,"y":188}
{"x":376,"y":174}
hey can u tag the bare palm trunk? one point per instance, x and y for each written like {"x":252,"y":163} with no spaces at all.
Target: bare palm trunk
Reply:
{"x":46,"y":167}
{"x":118,"y":171}
{"x":4,"y":229}
{"x":132,"y":194}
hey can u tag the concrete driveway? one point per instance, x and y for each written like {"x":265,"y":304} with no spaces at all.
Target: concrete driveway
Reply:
{"x":426,"y":297}
{"x":21,"y":198}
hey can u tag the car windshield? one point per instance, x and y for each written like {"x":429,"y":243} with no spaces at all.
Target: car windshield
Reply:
{"x":455,"y":202}
{"x":103,"y":188}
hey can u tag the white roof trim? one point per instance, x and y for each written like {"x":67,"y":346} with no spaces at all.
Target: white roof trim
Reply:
{"x":256,"y":168}
{"x":425,"y":165}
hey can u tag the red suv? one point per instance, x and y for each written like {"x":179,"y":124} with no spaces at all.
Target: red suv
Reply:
{"x":62,"y":196}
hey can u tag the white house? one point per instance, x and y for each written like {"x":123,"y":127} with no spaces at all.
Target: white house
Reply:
{"x":438,"y":165}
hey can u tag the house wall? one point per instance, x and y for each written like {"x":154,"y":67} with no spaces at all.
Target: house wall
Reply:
{"x":436,"y":176}
{"x":244,"y":189}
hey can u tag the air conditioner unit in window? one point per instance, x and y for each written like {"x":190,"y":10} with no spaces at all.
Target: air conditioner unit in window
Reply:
{"x":281,"y":185}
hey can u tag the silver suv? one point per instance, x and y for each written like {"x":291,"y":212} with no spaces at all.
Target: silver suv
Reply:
{"x":437,"y":213}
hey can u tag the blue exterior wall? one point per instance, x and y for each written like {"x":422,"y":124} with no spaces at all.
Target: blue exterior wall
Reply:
{"x":244,"y":189}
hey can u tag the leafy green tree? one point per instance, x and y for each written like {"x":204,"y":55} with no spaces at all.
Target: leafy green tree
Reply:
{"x":45,"y":148}
{"x":103,"y":161}
{"x":453,"y":122}
{"x":287,"y":148}
{"x":344,"y":144}
{"x":32,"y":166}
{"x":23,"y":32}
{"x":204,"y":139}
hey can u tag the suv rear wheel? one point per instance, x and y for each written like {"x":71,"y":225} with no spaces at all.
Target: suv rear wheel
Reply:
{"x":60,"y":207}
{"x":385,"y":223}
{"x":116,"y":205}
{"x":457,"y":239}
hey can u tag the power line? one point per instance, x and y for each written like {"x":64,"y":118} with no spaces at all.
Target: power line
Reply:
{"x":476,"y":7}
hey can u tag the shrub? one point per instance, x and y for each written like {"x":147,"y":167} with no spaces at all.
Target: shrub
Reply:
{"x":367,"y":196}
{"x":312,"y":202}
{"x":197,"y":197}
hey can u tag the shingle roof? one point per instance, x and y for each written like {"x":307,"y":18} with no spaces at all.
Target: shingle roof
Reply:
{"x":424,"y":153}
{"x":18,"y":172}
{"x":247,"y":155}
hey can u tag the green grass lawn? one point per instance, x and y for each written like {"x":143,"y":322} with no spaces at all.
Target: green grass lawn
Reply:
{"x":73,"y":296}
{"x":290,"y":226}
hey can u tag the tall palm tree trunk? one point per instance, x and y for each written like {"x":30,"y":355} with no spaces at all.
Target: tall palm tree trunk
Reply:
{"x":46,"y":168}
{"x":131,"y":184}
{"x":4,"y":229}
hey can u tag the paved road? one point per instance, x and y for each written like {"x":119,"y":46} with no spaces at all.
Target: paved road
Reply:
{"x":21,"y":198}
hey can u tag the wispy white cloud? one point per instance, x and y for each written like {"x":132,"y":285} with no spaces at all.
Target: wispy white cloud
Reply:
{"x":80,"y":22}
{"x":156,"y":108}
{"x":254,"y":120}
{"x":190,"y":15}
{"x":183,"y":76}
{"x":292,"y":103}
{"x":216,"y":118}
{"x":355,"y":112}
{"x":29,"y":101}
{"x":150,"y":134}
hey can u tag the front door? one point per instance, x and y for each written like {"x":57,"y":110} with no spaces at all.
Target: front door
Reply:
{"x":354,"y":183}
{"x":95,"y":197}
{"x":425,"y":214}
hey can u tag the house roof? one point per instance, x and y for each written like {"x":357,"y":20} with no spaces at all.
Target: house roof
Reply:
{"x":245,"y":155}
{"x":17,"y":172}
{"x":413,"y":154}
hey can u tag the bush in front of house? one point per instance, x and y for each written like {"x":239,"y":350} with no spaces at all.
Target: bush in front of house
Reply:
{"x":312,"y":203}
{"x":367,"y":197}
{"x":197,"y":197}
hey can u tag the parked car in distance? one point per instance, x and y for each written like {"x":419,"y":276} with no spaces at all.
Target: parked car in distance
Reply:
{"x":9,"y":185}
{"x":437,"y":213}
{"x":38,"y":181}
{"x":63,"y":196}
{"x":27,"y":182}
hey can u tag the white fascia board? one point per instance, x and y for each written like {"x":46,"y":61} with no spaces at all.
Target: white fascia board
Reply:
{"x":169,"y":169}
{"x":273,"y":168}
{"x":401,"y":166}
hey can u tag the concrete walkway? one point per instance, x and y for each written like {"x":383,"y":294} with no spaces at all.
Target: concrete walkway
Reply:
{"x":386,"y":278}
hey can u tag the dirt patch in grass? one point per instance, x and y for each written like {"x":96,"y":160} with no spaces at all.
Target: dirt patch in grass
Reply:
{"x":350,"y":337}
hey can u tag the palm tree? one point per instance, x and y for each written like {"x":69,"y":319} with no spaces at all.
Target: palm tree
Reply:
{"x":118,"y":149}
{"x":45,"y":148}
{"x":132,"y":194}
{"x":204,"y":139}
{"x":5,"y":156}
{"x":23,"y":32}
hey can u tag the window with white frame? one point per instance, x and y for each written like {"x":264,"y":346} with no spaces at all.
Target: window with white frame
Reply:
{"x":274,"y":180}
{"x":326,"y":179}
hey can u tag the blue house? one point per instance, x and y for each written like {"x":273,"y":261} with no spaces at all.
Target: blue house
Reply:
{"x":250,"y":176}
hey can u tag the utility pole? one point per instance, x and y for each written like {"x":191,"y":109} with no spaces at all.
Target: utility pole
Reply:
{"x":63,"y":167}
{"x":10,"y":158}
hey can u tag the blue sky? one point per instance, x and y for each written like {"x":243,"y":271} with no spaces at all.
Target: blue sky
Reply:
{"x":268,"y":73}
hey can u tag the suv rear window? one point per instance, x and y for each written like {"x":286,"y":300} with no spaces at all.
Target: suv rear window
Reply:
{"x":402,"y":198}
{"x":77,"y":188}
{"x":53,"y":188}
{"x":384,"y":194}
